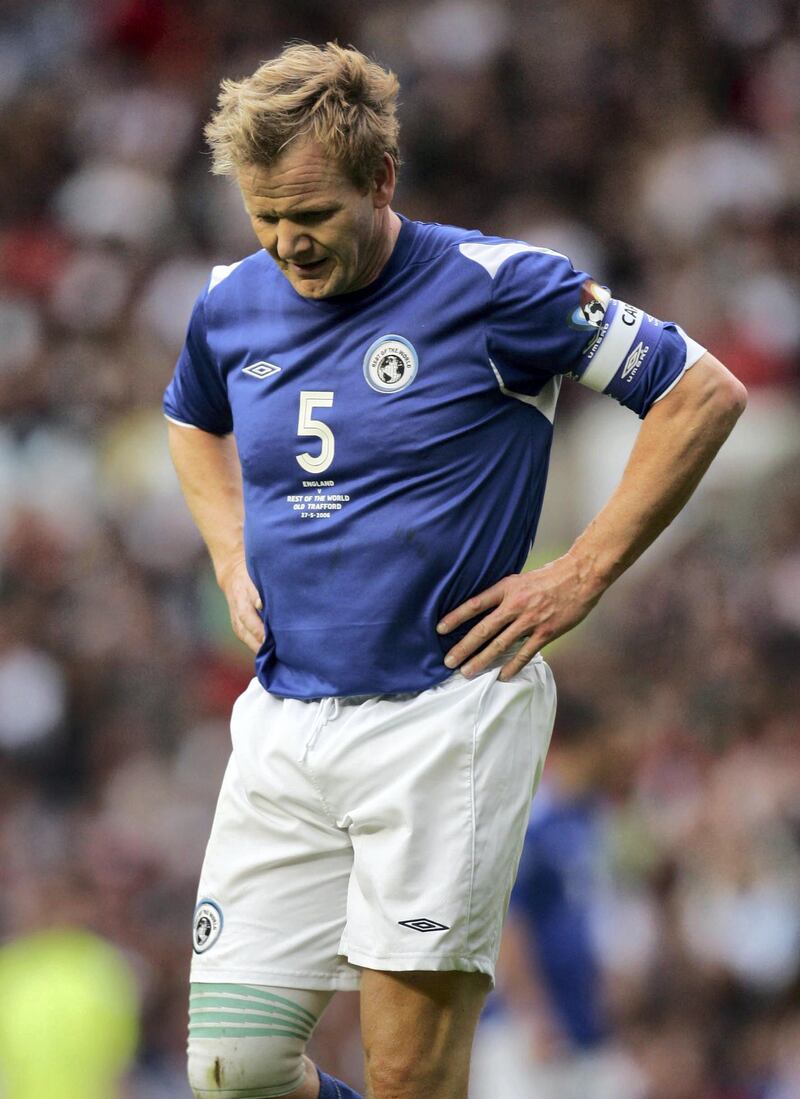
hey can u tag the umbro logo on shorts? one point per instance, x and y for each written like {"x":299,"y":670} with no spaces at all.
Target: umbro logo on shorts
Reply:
{"x":424,"y":925}
{"x":260,"y":369}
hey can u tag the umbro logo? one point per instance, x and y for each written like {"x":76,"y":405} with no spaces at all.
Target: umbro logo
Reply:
{"x":424,"y":925}
{"x":261,"y":369}
{"x":634,"y":360}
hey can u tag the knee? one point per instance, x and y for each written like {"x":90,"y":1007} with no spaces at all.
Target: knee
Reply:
{"x":396,"y":1075}
{"x":418,"y":1029}
{"x":232,"y":1068}
{"x":249,"y":1040}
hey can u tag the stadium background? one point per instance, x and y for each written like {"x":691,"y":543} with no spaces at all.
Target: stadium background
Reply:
{"x":657,"y":143}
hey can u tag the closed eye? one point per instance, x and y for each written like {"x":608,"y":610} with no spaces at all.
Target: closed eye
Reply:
{"x":304,"y":217}
{"x":313,"y":217}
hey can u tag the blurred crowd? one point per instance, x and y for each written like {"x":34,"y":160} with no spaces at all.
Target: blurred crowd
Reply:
{"x":658,"y":144}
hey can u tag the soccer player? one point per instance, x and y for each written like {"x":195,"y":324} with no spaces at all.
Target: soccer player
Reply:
{"x":360,"y":420}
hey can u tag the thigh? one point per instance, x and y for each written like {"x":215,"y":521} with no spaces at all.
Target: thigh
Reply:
{"x":437,"y":826}
{"x":417,"y":1030}
{"x":273,"y":888}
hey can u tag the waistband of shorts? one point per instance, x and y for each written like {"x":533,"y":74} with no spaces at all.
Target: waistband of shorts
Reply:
{"x":358,"y":700}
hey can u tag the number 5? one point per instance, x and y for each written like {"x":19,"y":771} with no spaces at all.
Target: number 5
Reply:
{"x":306,"y":425}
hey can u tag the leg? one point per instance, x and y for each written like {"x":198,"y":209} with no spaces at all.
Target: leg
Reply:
{"x":271,"y":909}
{"x":437,"y":832}
{"x":418,"y":1030}
{"x":204,"y":1076}
{"x":250,"y":1040}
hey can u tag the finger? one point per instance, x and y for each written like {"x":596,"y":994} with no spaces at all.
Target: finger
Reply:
{"x":247,"y":625}
{"x":484,"y":601}
{"x":245,"y":591}
{"x":495,"y":650}
{"x":250,"y":642}
{"x":255,"y":628}
{"x":252,"y":596}
{"x":480,"y":635}
{"x":518,"y":661}
{"x":250,"y":619}
{"x":248,"y":636}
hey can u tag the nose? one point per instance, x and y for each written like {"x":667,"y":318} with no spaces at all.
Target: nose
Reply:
{"x":291,"y":243}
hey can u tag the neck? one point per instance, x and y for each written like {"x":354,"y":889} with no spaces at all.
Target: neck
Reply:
{"x":387,"y":230}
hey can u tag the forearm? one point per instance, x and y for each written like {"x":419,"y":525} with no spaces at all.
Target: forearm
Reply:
{"x":676,"y":443}
{"x":675,"y":446}
{"x":211,"y":481}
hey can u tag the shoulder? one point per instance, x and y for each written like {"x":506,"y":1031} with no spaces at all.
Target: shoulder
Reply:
{"x":230,"y":286}
{"x":484,"y":254}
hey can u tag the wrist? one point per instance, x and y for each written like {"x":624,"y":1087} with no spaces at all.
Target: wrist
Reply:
{"x":593,"y":570}
{"x":225,"y":566}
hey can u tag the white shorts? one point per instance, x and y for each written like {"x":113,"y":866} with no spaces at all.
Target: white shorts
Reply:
{"x":382,"y":832}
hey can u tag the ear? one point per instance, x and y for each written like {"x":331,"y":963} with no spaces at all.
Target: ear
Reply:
{"x":383,"y":183}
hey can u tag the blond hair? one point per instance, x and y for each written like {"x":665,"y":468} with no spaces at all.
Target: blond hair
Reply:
{"x":335,"y":95}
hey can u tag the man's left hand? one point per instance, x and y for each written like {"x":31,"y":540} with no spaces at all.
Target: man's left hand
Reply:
{"x":533,"y":607}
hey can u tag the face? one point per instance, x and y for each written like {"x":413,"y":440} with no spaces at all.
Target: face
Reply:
{"x":326,"y":236}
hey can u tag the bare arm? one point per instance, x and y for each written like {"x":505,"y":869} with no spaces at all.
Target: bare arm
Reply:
{"x":211,"y":480}
{"x":675,"y":446}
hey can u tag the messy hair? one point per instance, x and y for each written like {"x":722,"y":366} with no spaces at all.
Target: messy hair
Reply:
{"x":335,"y":95}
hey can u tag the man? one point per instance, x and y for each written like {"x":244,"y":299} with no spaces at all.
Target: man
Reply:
{"x":368,"y":527}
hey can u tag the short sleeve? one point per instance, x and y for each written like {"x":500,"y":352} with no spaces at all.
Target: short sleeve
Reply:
{"x":197,"y":395}
{"x":546,"y":318}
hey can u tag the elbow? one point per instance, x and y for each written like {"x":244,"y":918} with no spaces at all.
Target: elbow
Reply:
{"x":731,"y":399}
{"x":725,"y":396}
{"x":708,"y":397}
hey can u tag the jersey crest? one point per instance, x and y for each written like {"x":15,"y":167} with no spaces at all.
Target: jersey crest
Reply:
{"x":390,"y":364}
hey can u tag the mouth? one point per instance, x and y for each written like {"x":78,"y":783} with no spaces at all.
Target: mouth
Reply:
{"x":308,"y":270}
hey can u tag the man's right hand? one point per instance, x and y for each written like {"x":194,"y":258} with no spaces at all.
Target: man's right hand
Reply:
{"x":244,"y":604}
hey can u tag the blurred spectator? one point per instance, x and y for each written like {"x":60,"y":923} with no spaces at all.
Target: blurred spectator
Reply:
{"x":548,"y":1032}
{"x":68,"y":1027}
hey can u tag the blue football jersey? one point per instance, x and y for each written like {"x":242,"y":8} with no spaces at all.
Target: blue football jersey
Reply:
{"x":394,"y":441}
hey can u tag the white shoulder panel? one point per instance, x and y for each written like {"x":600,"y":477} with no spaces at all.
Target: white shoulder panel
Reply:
{"x":492,"y":256}
{"x":221,"y":272}
{"x":545,"y":400}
